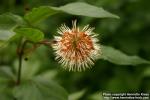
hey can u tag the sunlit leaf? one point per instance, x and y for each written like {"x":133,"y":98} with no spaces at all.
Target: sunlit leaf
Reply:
{"x":117,"y":57}
{"x":76,"y":95}
{"x":6,"y":34}
{"x":8,"y":22}
{"x":77,"y":8}
{"x":31,"y":34}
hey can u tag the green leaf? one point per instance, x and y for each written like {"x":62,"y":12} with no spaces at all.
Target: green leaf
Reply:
{"x":146,"y":72}
{"x":118,"y":84}
{"x":118,"y":57}
{"x":4,"y":96}
{"x":77,"y":8}
{"x":38,"y":14}
{"x":3,"y":43}
{"x":29,"y":68}
{"x":76,"y":95}
{"x":8,"y":22}
{"x":31,"y":34}
{"x":84,"y":9}
{"x":47,"y":75}
{"x":6,"y":92}
{"x":96,"y":96}
{"x":6,"y":73}
{"x":7,"y":80}
{"x":39,"y":89}
{"x":6,"y":34}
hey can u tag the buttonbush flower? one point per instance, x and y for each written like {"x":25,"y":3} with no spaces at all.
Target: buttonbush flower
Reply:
{"x":76,"y":49}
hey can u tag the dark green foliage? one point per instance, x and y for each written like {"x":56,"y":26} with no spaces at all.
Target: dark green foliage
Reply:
{"x":125,"y":47}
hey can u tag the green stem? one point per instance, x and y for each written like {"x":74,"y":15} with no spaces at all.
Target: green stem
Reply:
{"x":21,"y":52}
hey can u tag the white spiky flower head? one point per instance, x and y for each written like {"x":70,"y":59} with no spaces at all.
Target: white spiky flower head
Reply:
{"x":76,"y":49}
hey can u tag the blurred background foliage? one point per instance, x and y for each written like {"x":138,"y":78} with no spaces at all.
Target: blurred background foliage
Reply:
{"x":130,"y":34}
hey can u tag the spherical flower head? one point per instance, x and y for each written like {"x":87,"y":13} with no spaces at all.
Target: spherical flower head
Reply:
{"x":76,"y":49}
